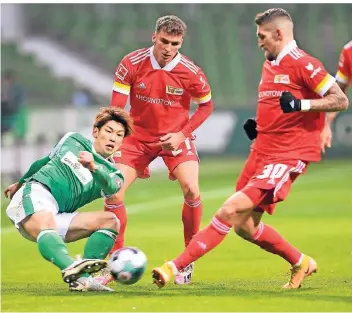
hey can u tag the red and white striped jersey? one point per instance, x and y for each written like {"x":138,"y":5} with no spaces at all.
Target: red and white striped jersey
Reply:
{"x":160,"y":98}
{"x":344,"y":71}
{"x":295,"y":135}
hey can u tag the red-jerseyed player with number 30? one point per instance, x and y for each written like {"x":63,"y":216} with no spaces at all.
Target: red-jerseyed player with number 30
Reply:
{"x":161,"y":83}
{"x":294,"y":92}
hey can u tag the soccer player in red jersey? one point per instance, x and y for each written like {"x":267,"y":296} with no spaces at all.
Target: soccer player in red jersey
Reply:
{"x":344,"y":71}
{"x":161,"y":83}
{"x":294,"y":92}
{"x":344,"y":79}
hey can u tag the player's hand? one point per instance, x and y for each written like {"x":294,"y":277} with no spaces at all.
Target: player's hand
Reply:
{"x":171,"y":141}
{"x":250,"y":128}
{"x":289,"y":103}
{"x":325,"y":138}
{"x":87,"y":160}
{"x":10,"y":191}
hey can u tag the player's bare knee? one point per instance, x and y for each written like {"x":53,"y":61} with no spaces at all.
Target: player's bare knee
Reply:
{"x":115,"y":223}
{"x":234,"y":212}
{"x":190,"y":190}
{"x":38,"y":221}
{"x":227,"y":213}
{"x":109,"y":220}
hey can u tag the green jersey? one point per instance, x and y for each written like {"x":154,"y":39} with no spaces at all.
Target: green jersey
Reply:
{"x":71,"y":184}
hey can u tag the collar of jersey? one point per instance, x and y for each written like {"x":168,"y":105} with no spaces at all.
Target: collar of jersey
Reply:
{"x":169,"y":67}
{"x":289,"y":46}
{"x":109,"y":158}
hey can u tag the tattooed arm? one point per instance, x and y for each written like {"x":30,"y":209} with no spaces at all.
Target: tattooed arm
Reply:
{"x":330,"y":116}
{"x":333,"y":101}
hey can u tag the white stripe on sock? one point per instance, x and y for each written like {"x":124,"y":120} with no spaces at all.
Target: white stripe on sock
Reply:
{"x":260,"y":231}
{"x":220,"y":227}
{"x":46,"y":231}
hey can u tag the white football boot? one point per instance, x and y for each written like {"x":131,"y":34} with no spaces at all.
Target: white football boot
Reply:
{"x":87,"y":284}
{"x":184,"y":277}
{"x":104,"y":277}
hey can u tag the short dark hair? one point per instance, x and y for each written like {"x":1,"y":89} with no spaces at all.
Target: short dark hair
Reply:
{"x":171,"y":24}
{"x":270,"y":15}
{"x":114,"y":114}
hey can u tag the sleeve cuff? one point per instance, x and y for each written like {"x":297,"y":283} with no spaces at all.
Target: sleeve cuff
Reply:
{"x":187,"y":131}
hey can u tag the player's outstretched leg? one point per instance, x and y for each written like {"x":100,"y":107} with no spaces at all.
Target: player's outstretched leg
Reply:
{"x":204,"y":241}
{"x":52,"y":248}
{"x":99,"y":245}
{"x":235,"y":211}
{"x":119,"y":210}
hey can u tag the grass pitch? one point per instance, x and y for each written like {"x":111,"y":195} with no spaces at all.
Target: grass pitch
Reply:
{"x":236,"y":276}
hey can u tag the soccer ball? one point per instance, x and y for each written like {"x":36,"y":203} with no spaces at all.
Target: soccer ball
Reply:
{"x":127,"y":265}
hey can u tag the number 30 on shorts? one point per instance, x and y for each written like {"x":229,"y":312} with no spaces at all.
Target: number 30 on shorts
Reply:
{"x":273,"y":171}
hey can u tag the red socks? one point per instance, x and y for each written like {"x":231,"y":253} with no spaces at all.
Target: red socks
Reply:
{"x":191,"y":218}
{"x":120,"y":211}
{"x":270,"y":240}
{"x":204,"y":241}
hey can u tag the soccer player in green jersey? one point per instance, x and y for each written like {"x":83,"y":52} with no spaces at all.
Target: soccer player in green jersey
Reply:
{"x":45,"y":200}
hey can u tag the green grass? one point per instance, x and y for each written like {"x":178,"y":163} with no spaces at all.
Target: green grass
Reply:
{"x":236,"y":276}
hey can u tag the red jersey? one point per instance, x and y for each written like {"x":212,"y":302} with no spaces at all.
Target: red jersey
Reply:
{"x":294,"y":135}
{"x":344,"y":71}
{"x":160,"y":98}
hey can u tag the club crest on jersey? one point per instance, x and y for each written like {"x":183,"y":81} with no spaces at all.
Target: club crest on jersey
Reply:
{"x":174,"y":91}
{"x":121,"y":72}
{"x":282,"y":79}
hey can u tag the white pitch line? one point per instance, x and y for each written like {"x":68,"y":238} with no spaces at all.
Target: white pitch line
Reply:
{"x":153,"y":205}
{"x":205,"y":195}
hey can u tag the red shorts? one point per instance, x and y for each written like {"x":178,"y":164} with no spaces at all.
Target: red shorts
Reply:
{"x":139,"y":154}
{"x":267,"y":180}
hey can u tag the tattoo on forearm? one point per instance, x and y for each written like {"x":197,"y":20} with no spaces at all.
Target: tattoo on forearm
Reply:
{"x":335,"y":101}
